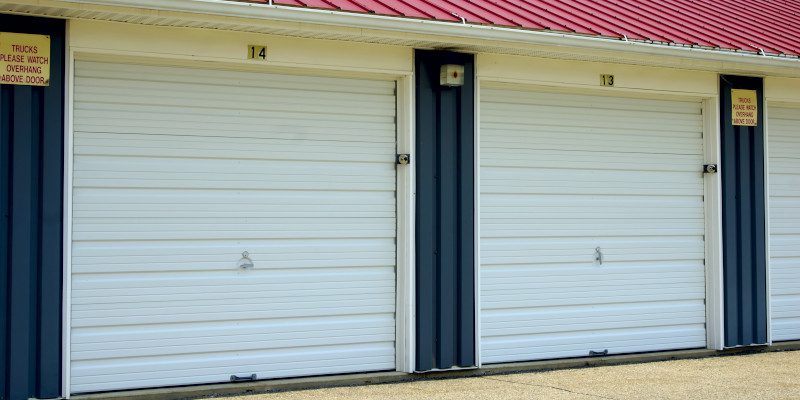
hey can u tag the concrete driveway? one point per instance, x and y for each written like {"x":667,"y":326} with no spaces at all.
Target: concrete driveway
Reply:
{"x":756,"y":376}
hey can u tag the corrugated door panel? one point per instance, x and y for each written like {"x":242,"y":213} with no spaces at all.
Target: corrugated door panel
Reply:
{"x":178,"y":171}
{"x":784,"y":221}
{"x":445,"y":214}
{"x":564,"y":174}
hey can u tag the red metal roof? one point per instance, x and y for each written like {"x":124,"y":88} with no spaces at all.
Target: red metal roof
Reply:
{"x":768,"y":26}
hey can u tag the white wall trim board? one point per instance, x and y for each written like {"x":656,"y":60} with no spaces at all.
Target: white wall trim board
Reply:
{"x":713,"y":215}
{"x":67,"y":267}
{"x":406,"y":175}
{"x":781,"y":91}
{"x":477,"y":218}
{"x":767,"y":215}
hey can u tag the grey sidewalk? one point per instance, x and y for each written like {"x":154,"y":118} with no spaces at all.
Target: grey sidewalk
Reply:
{"x":756,"y":376}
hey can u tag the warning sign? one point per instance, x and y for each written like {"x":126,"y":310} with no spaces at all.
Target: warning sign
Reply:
{"x":745,"y":107}
{"x":24,"y":59}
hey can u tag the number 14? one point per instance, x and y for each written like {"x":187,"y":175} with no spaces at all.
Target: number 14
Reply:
{"x":256,"y":52}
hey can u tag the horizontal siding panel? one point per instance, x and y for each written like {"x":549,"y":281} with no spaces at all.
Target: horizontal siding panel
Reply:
{"x":212,"y":330}
{"x":614,"y":178}
{"x":232,"y":233}
{"x":311,"y":153}
{"x":178,"y":171}
{"x":563,"y":174}
{"x":230,"y":312}
{"x":581,"y":231}
{"x":787,"y":305}
{"x":569,"y":159}
{"x":784,"y":222}
{"x":226,"y":78}
{"x":547,"y":274}
{"x":244,"y":98}
{"x":162,"y":347}
{"x":216,"y":262}
{"x":299,"y":129}
{"x":286,"y":275}
{"x":592,"y":295}
{"x":623,"y":255}
{"x":496,"y":97}
{"x":372,"y":290}
{"x":561,"y":322}
{"x":236,"y":148}
{"x":577,"y":344}
{"x":172,"y":370}
{"x":159,"y":198}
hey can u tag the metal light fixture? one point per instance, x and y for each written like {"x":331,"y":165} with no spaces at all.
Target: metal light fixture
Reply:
{"x":451,"y":75}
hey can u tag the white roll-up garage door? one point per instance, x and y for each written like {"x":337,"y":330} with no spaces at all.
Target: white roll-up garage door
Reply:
{"x":592,"y":225}
{"x":784,"y":221}
{"x":177,"y":173}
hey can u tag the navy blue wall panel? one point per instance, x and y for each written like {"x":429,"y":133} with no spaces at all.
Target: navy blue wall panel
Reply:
{"x":31,"y":199}
{"x":445,"y":275}
{"x":743,"y":220}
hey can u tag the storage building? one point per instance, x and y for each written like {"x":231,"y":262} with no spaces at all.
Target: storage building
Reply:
{"x":208,"y":191}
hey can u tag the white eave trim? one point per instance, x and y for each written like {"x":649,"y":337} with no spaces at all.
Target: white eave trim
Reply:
{"x":444,"y":29}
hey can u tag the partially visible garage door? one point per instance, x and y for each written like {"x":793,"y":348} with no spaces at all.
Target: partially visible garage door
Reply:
{"x":592,"y":225}
{"x":179,"y":171}
{"x":783,"y":133}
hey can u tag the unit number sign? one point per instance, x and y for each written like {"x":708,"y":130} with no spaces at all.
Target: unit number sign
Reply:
{"x":257,"y":52}
{"x":607,"y":80}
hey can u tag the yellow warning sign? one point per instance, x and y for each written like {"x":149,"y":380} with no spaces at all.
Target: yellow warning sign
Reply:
{"x":24,"y":59}
{"x":745,"y":107}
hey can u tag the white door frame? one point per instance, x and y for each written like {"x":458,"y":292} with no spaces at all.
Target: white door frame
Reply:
{"x":405,"y":195}
{"x":712,"y":191}
{"x":405,"y":317}
{"x":66,"y":292}
{"x":715,"y":301}
{"x":768,"y":289}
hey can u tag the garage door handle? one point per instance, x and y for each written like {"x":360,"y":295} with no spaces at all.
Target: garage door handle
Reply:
{"x":598,"y":353}
{"x":236,"y":378}
{"x":246,"y":262}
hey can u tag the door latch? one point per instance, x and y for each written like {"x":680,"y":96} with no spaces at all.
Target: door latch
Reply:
{"x":403,"y":159}
{"x":245,"y":378}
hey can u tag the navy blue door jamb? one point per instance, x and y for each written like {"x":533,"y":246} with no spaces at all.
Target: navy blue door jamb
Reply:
{"x":445,"y":272}
{"x":31,"y":203}
{"x":743,"y":220}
